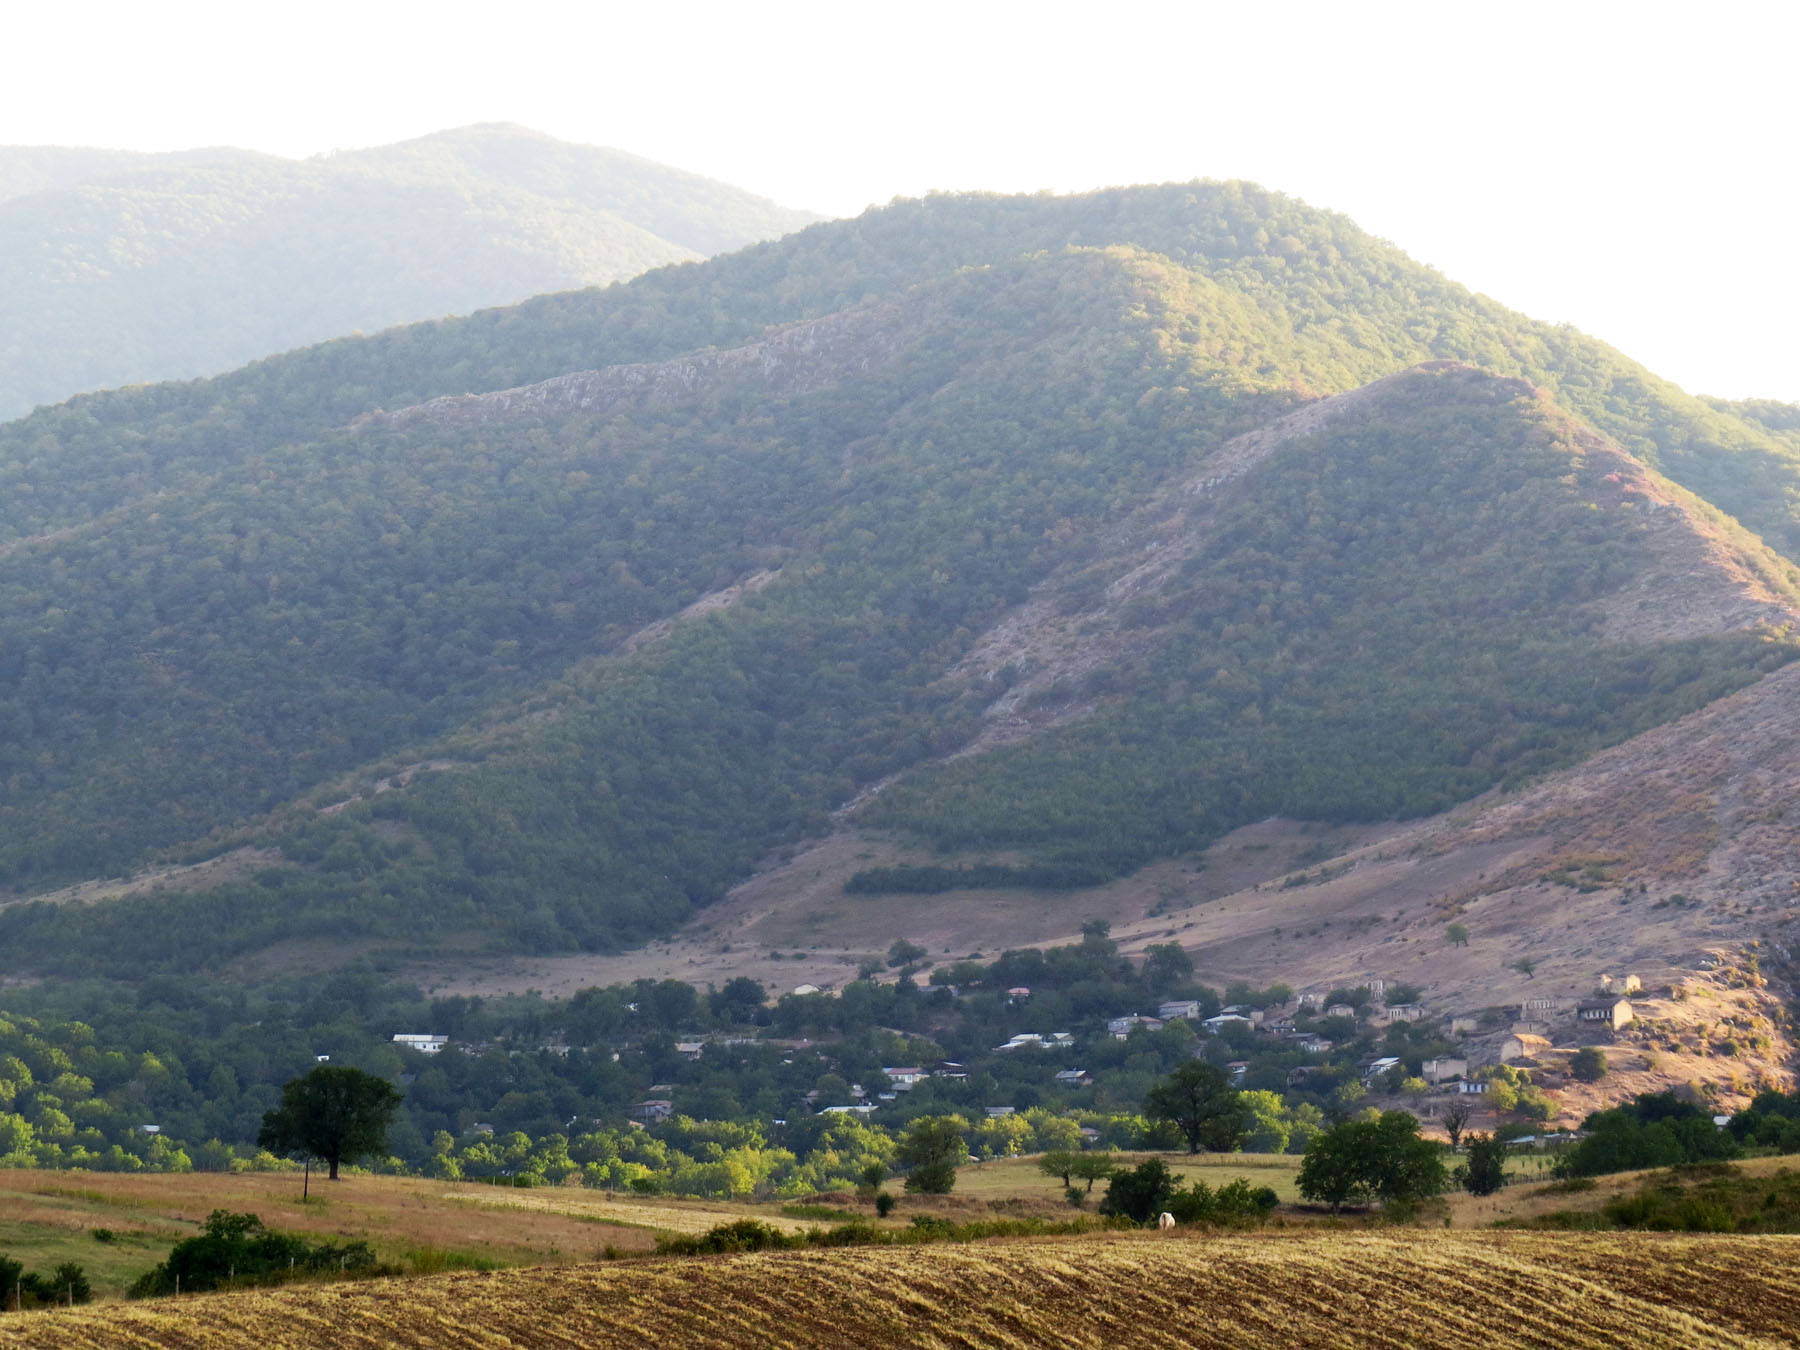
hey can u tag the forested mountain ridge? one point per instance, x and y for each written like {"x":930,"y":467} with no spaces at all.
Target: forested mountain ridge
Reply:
{"x":550,"y":545}
{"x":120,"y":268}
{"x":25,"y":169}
{"x":1705,"y":575}
{"x":1272,"y":658}
{"x":1320,"y":276}
{"x":1780,"y":420}
{"x":220,"y":597}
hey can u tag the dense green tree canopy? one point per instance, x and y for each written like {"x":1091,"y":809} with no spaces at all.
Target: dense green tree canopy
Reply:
{"x":421,"y":666}
{"x":1198,"y":1100}
{"x":1363,"y":1160}
{"x":933,"y":1147}
{"x":334,"y":1114}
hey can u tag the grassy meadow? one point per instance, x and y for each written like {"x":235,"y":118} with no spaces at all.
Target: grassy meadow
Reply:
{"x":426,"y":1226}
{"x":498,"y":1267}
{"x":47,"y":1218}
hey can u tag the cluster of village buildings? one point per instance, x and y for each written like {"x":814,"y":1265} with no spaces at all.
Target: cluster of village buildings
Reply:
{"x":1525,"y":1043}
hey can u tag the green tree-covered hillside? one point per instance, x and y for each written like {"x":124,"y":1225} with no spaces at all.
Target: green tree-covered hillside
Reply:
{"x":1313,"y":272}
{"x":219,"y":599}
{"x":1389,"y":616}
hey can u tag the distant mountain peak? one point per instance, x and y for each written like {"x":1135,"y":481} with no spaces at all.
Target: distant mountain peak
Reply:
{"x":117,"y":269}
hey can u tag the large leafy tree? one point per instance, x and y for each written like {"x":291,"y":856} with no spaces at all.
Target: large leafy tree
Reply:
{"x":336,"y":1114}
{"x":1362,"y":1160}
{"x":1166,"y":966}
{"x":1486,"y":1170}
{"x":1200,"y":1102}
{"x":933,"y":1146}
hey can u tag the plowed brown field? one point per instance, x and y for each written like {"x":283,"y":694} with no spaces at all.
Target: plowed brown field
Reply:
{"x":1116,"y":1292}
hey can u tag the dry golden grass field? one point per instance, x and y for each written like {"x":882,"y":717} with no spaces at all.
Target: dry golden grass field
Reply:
{"x":47,"y":1218}
{"x":1117,"y":1291}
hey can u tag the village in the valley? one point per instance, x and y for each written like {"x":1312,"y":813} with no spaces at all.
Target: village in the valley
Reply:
{"x":1534,"y":1068}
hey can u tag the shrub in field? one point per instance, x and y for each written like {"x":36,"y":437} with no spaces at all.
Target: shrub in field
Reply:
{"x":1588,"y":1064}
{"x":1236,"y":1204}
{"x":236,"y":1249}
{"x":743,"y":1235}
{"x":1141,"y":1193}
{"x":1150,"y":1189}
{"x":20,"y":1289}
{"x":1485,"y":1172}
{"x":1705,"y":1198}
{"x":751,"y":1235}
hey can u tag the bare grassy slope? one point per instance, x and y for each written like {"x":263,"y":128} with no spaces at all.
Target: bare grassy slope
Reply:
{"x":1119,"y":1292}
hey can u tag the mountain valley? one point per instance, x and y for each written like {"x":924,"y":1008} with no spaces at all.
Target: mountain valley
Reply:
{"x":1179,"y":557}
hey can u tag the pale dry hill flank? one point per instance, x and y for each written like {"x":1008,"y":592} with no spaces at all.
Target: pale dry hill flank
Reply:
{"x":799,"y":359}
{"x":1670,"y":857}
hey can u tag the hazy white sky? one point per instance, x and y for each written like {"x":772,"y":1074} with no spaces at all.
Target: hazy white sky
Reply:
{"x":1630,"y":168}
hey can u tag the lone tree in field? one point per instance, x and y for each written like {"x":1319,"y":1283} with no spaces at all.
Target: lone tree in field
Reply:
{"x":1363,"y":1160}
{"x":1200,"y":1101}
{"x":1092,"y":1167}
{"x":933,"y":1146}
{"x":1486,"y":1172}
{"x":1141,"y":1193}
{"x":1059,"y":1163}
{"x":335,"y":1114}
{"x":1456,"y":1120}
{"x":1588,"y":1064}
